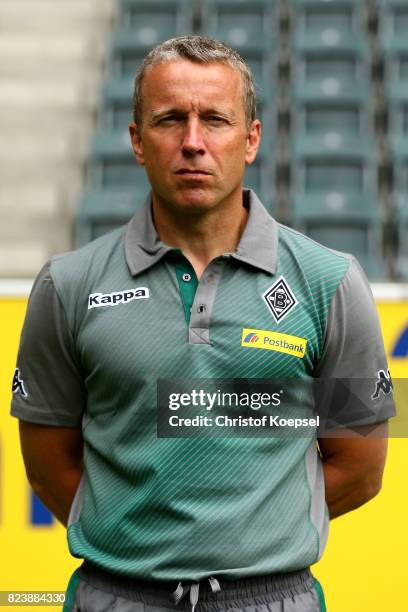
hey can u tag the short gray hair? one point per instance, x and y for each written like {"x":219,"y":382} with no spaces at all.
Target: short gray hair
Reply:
{"x":200,"y":49}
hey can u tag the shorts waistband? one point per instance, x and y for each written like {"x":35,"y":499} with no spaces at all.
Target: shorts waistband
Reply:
{"x":272,"y":585}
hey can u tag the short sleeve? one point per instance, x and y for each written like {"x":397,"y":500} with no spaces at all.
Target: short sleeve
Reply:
{"x":48,"y":385}
{"x":353,"y":367}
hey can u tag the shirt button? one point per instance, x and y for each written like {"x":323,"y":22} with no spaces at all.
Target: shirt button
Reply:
{"x":201,"y":309}
{"x":186,"y":277}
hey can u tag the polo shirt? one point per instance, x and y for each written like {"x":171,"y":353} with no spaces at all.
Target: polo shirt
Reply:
{"x":107,"y":322}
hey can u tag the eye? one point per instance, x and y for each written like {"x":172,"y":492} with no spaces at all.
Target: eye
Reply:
{"x":170,"y":119}
{"x":215,"y":119}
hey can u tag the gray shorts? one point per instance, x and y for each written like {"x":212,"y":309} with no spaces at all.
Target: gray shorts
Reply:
{"x":94,"y":590}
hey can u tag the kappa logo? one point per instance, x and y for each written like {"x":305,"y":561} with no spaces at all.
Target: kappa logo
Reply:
{"x":96,"y":300}
{"x":384,"y":384}
{"x":280,"y":299}
{"x":18,"y":384}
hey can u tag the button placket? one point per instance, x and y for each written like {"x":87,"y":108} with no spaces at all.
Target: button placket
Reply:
{"x":199,"y":332}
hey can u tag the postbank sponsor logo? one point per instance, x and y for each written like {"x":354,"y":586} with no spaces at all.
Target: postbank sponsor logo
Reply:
{"x":96,"y":300}
{"x":274,"y":341}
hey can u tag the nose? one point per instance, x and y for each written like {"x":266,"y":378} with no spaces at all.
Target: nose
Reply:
{"x":193,"y":142}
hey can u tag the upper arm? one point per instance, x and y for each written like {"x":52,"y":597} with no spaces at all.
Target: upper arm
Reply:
{"x":353,"y":357}
{"x":48,"y":387}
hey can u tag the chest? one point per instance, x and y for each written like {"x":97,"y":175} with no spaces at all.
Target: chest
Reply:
{"x":242,"y":324}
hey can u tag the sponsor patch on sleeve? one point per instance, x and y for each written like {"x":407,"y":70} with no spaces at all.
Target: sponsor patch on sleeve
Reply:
{"x":383,"y":384}
{"x":18,"y":384}
{"x":274,"y":341}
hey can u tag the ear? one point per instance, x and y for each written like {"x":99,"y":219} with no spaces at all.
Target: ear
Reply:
{"x":253,"y":141}
{"x":137,"y":145}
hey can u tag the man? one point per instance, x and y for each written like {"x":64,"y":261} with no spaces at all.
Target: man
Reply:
{"x":233,"y":521}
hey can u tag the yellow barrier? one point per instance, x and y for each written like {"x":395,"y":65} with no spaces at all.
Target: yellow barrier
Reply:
{"x":364,"y":565}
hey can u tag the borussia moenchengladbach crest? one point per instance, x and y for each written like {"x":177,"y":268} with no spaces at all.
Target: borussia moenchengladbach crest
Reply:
{"x":280,"y":299}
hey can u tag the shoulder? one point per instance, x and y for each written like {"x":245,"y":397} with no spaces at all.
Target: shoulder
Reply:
{"x":311,"y":255}
{"x":74,"y":265}
{"x":321,"y":272}
{"x":76,"y":273}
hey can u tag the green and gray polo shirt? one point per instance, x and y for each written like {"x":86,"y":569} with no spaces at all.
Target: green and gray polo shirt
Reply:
{"x":106,"y":322}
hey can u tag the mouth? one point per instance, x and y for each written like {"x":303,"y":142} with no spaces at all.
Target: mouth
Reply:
{"x":192,"y":172}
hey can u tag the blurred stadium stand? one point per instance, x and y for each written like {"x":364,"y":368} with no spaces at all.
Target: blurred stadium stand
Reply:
{"x":333,"y":152}
{"x":394,"y":38}
{"x":332,"y":87}
{"x":252,"y":28}
{"x":51,"y":60}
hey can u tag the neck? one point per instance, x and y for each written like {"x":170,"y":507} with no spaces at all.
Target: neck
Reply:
{"x":201,"y":235}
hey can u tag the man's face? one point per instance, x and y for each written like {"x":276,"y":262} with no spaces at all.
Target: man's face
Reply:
{"x":194,"y":140}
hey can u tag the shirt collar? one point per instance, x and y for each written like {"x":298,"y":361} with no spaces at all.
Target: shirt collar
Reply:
{"x":143,"y":247}
{"x":257,"y":247}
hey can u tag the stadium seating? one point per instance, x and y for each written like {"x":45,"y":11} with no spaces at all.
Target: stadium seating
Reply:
{"x":241,"y":24}
{"x":394,"y":39}
{"x":330,"y":105}
{"x":51,"y":57}
{"x":393,"y":29}
{"x":398,"y":133}
{"x":34,"y":223}
{"x":402,"y":251}
{"x":394,"y":20}
{"x":330,"y":54}
{"x":112,"y":162}
{"x":328,"y":102}
{"x":106,"y":209}
{"x":259,"y":177}
{"x":346,"y":222}
{"x":249,"y":27}
{"x":47,"y":94}
{"x":117,"y":102}
{"x":328,"y":40}
{"x":22,"y":54}
{"x":24,"y":257}
{"x":145,"y":23}
{"x":333,"y":162}
{"x":152,"y":21}
{"x":318,"y":15}
{"x":332,"y":145}
{"x":397,"y":98}
{"x":40,"y":198}
{"x":116,"y":185}
{"x":39,"y":157}
{"x":127,"y":54}
{"x":80,"y":15}
{"x":334,"y":186}
{"x":400,"y":158}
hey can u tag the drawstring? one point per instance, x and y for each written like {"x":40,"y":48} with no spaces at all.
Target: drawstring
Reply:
{"x":194,"y":588}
